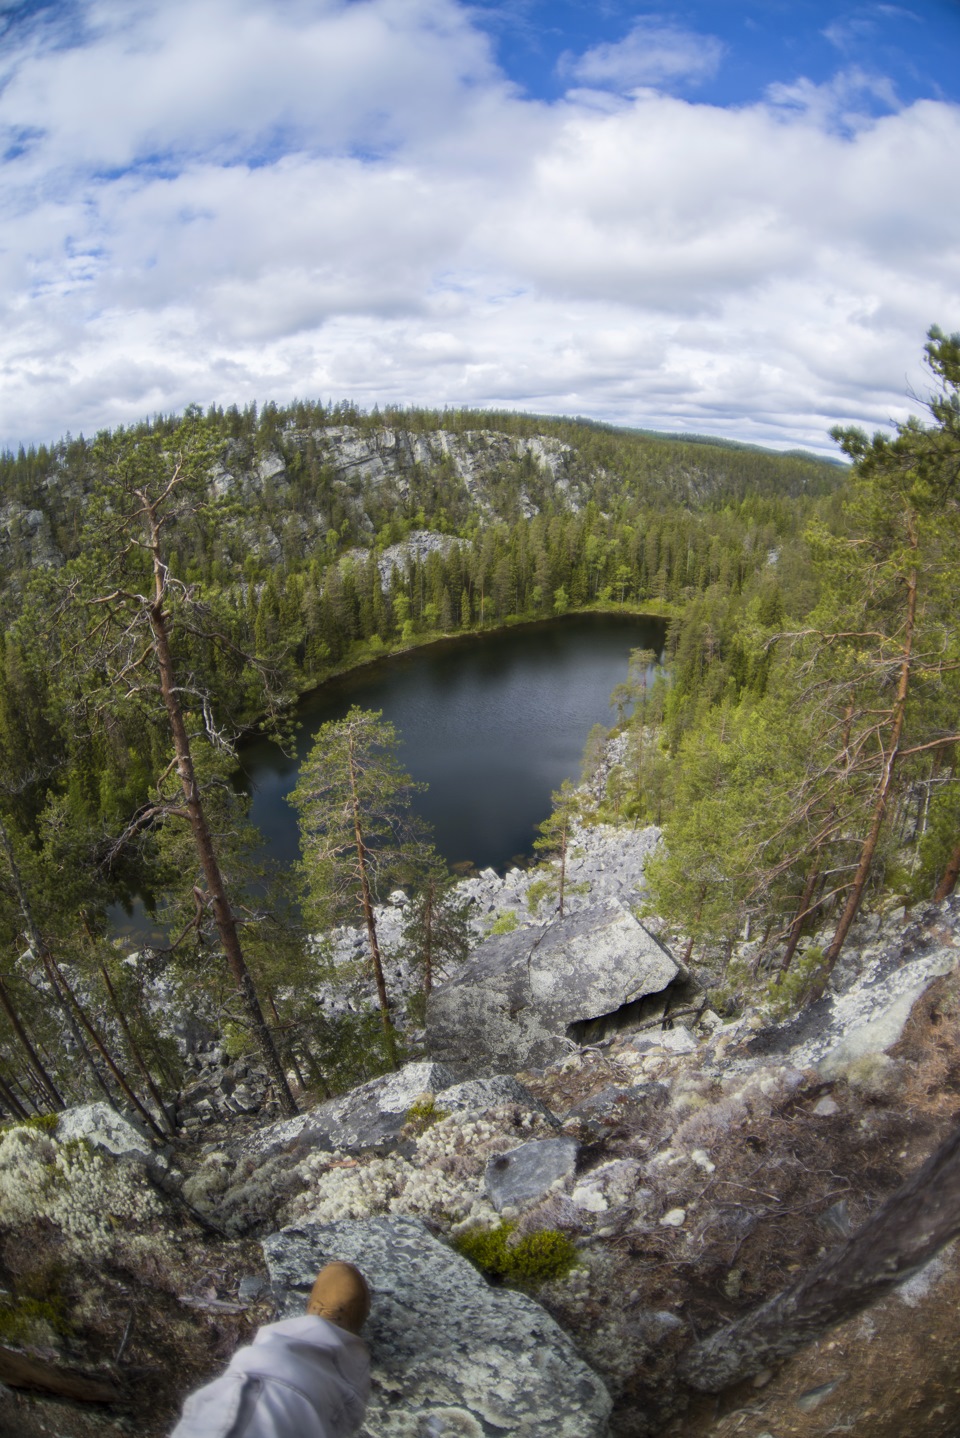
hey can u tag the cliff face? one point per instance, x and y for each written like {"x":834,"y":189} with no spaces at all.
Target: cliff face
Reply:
{"x":693,"y":1170}
{"x":291,"y":480}
{"x":288,"y":496}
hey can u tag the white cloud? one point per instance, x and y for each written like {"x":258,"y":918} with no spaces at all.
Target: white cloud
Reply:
{"x":848,"y":101}
{"x":655,"y":52}
{"x":350,"y":200}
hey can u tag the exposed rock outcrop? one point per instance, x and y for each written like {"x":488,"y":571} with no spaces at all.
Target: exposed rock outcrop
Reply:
{"x":451,"y":1355}
{"x":695,"y":1168}
{"x":513,"y":1005}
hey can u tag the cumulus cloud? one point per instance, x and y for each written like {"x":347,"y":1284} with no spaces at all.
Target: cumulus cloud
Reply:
{"x":656,"y":52}
{"x":220,"y":202}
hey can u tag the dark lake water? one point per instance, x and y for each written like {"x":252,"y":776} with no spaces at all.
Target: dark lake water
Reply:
{"x":492,"y":723}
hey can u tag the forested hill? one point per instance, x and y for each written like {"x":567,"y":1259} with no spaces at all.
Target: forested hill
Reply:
{"x":333,"y":476}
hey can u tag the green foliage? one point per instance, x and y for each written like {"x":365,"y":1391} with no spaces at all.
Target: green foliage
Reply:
{"x":787,"y":992}
{"x":424,"y":1114}
{"x":526,"y":1262}
{"x":31,"y":1320}
{"x":44,"y":1122}
{"x":938,"y":839}
{"x":504,"y":923}
{"x":351,"y":778}
{"x":555,"y":839}
{"x":733,"y":746}
{"x":355,"y":1049}
{"x":436,"y":921}
{"x":236,"y":1040}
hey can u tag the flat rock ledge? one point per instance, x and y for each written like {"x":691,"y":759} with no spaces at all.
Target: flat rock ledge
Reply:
{"x":452,"y":1356}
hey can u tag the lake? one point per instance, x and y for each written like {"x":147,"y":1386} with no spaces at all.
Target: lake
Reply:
{"x":493,"y":723}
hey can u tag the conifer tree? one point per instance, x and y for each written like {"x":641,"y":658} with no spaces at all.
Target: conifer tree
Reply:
{"x":128,"y":622}
{"x":436,"y":921}
{"x":358,"y":837}
{"x":556,"y":837}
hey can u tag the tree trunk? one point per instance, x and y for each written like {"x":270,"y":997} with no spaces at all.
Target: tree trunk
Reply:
{"x":832,"y":952}
{"x":49,"y":1087}
{"x":42,"y":952}
{"x":203,"y":839}
{"x":563,"y":865}
{"x":10,"y":1100}
{"x":429,"y":899}
{"x":108,"y":1058}
{"x":137,"y":1056}
{"x":366,"y":899}
{"x":796,"y":928}
{"x":67,"y":1010}
{"x":948,"y":879}
{"x":904,"y":1234}
{"x":287,"y":1049}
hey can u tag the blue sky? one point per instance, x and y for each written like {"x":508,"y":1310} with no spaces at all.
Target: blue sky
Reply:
{"x":745,"y":45}
{"x":737,"y":218}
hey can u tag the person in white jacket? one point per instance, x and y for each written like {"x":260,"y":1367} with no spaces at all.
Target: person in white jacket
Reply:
{"x":303,"y":1377}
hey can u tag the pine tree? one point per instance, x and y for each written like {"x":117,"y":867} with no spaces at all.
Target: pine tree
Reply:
{"x":556,"y":838}
{"x":132,"y":620}
{"x":436,"y":922}
{"x":358,"y":837}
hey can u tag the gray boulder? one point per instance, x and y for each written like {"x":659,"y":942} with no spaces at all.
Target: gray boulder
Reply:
{"x":510,"y":1007}
{"x":478,"y":1095}
{"x":451,"y":1355}
{"x":525,"y":1174}
{"x":99,"y":1125}
{"x":370,"y":1116}
{"x":865,"y":1020}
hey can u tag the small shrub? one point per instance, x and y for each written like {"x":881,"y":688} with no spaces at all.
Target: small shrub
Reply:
{"x":526,"y":1263}
{"x":785,"y":998}
{"x":42,"y":1122}
{"x":424,"y":1113}
{"x":504,"y":923}
{"x":237,"y":1041}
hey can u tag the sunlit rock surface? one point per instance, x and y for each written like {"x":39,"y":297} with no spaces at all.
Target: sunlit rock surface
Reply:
{"x":451,"y":1355}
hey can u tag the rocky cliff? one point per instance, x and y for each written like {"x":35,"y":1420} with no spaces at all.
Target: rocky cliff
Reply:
{"x":622,"y":1198}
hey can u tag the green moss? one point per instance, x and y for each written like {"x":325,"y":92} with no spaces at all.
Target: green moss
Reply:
{"x":24,"y":1320}
{"x":424,"y":1113}
{"x":526,"y":1263}
{"x":45,"y":1122}
{"x":504,"y":923}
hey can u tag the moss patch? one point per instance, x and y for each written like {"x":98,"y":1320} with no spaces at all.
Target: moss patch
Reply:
{"x":30,"y":1320}
{"x":525,"y":1263}
{"x":424,"y":1114}
{"x":44,"y":1122}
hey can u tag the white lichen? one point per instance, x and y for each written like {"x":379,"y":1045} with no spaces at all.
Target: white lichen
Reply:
{"x":96,"y":1203}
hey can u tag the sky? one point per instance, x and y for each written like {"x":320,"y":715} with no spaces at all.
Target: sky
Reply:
{"x":733,"y":217}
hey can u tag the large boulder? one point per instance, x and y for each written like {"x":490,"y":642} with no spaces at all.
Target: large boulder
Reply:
{"x":451,"y":1355}
{"x":370,"y":1116}
{"x":511,"y":1007}
{"x":99,"y":1125}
